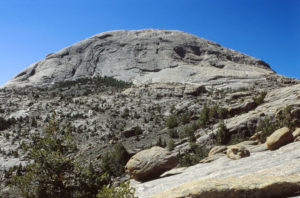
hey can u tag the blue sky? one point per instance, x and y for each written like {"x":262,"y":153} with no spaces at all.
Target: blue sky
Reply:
{"x":265,"y":29}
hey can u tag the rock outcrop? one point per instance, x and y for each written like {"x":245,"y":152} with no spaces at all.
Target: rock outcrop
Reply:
{"x":150,"y":163}
{"x":145,"y":56}
{"x":236,"y":152}
{"x":279,"y":138}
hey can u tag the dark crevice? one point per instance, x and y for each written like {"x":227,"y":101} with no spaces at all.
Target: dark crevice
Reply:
{"x":150,"y":70}
{"x":196,"y":50}
{"x":180,"y":51}
{"x":64,"y":54}
{"x":73,"y":71}
{"x":104,"y":36}
{"x":20,"y":74}
{"x":32,"y":72}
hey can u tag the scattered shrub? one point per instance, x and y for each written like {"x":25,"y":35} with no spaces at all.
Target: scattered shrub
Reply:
{"x":260,"y":98}
{"x":54,"y":171}
{"x":172,"y":121}
{"x":173,"y":133}
{"x":113,"y":162}
{"x":171,"y":144}
{"x":194,"y":157}
{"x":124,"y":191}
{"x":222,"y":136}
{"x":267,"y":126}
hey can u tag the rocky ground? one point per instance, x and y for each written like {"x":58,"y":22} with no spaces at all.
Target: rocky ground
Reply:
{"x":181,"y":92}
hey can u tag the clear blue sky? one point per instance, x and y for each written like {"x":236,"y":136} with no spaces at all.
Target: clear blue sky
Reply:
{"x":266,"y":29}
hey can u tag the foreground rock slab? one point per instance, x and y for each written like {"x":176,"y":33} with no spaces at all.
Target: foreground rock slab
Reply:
{"x":232,"y":187}
{"x":283,"y":162}
{"x":150,"y":163}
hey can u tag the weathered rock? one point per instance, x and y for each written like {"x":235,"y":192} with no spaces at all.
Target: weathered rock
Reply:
{"x":296,"y":133}
{"x":279,"y":138}
{"x":236,"y":187}
{"x":237,"y":152}
{"x":150,"y":163}
{"x":217,"y":149}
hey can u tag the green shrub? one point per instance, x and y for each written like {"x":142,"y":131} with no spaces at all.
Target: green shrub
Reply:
{"x":260,"y":98}
{"x":204,"y":116}
{"x":172,"y":121}
{"x":194,"y":157}
{"x":113,"y":162}
{"x":185,"y":118}
{"x":54,"y":171}
{"x":267,"y":126}
{"x":173,"y":133}
{"x":122,"y":191}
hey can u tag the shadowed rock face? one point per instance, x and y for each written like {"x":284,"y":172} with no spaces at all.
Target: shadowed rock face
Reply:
{"x":143,"y":56}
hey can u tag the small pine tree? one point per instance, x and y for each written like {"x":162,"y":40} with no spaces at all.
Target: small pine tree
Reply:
{"x":222,"y":136}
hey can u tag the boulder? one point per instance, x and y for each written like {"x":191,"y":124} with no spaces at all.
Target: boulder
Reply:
{"x":150,"y":163}
{"x":236,"y":187}
{"x":296,"y":133}
{"x":237,"y":152}
{"x":279,"y":138}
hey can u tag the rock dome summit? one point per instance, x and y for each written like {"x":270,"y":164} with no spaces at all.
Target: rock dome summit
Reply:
{"x":145,"y":56}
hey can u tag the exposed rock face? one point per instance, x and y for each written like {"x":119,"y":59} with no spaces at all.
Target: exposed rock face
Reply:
{"x":150,"y":163}
{"x":279,"y":138}
{"x":269,"y":167}
{"x":236,"y":187}
{"x":237,"y":152}
{"x":145,"y":56}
